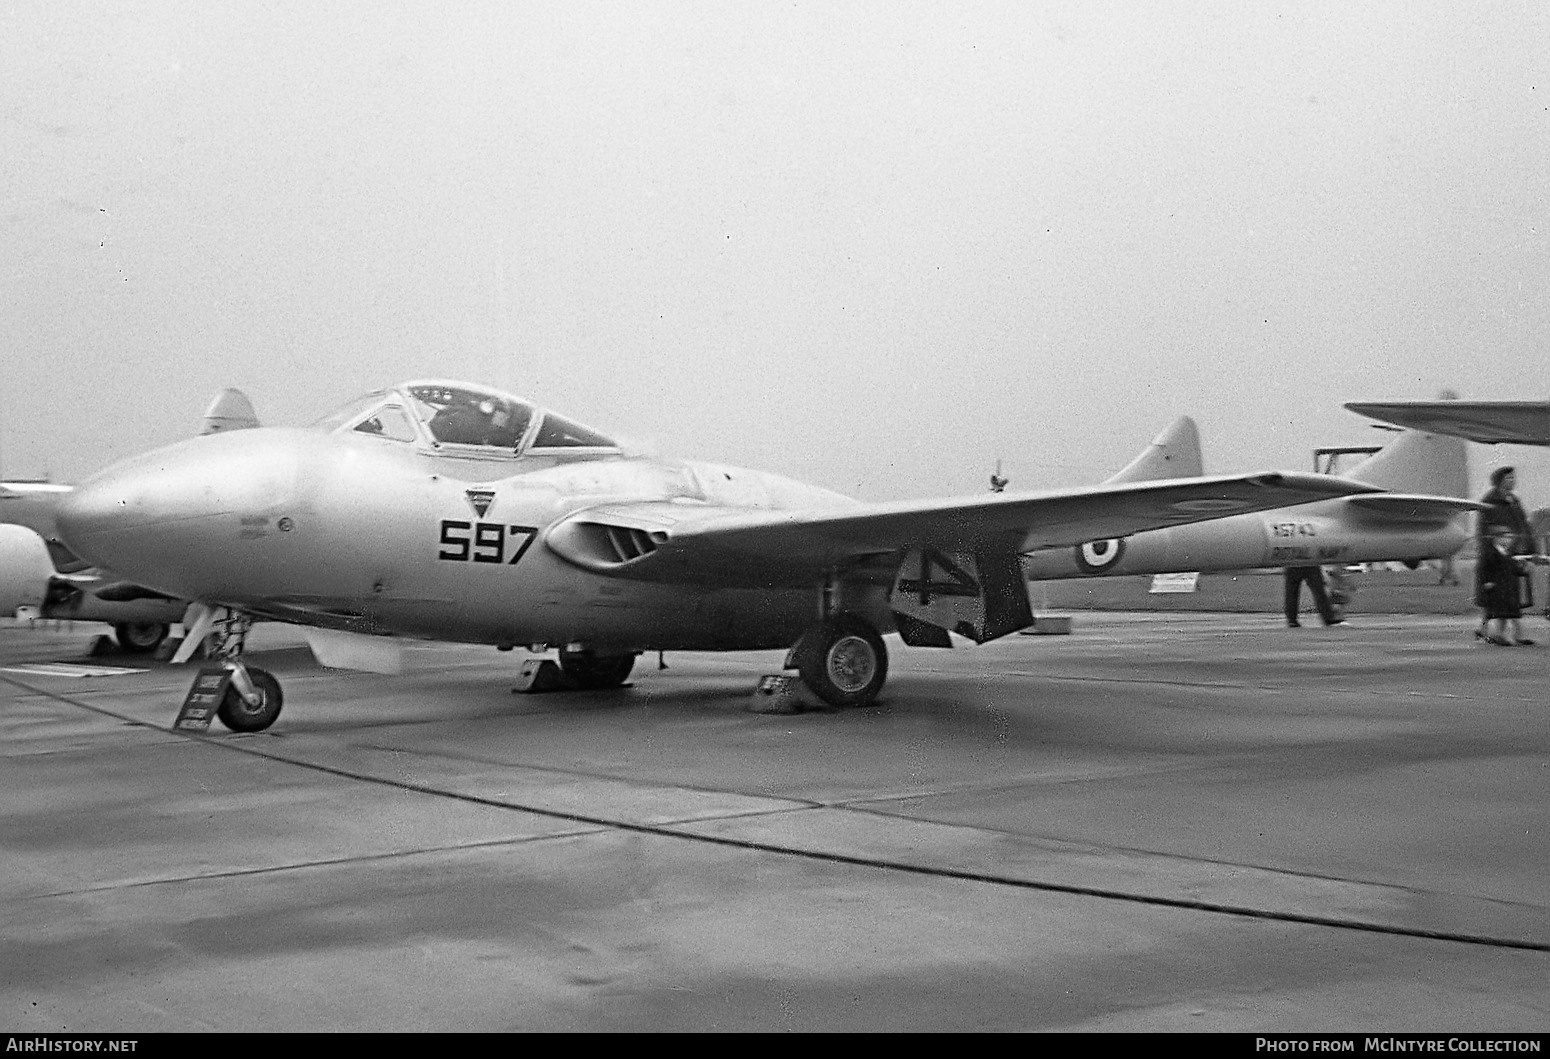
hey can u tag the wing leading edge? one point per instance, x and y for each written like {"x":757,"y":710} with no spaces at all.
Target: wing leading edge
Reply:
{"x":701,"y":544}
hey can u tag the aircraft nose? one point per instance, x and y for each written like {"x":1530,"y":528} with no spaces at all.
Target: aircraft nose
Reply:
{"x":158,"y":517}
{"x":90,"y":511}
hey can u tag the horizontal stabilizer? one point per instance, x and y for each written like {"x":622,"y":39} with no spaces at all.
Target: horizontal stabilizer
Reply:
{"x":1411,"y":508}
{"x":1486,"y":422}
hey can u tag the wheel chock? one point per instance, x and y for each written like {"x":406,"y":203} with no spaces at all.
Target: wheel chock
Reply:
{"x":167,"y":648}
{"x":1049,"y":625}
{"x":784,"y":693}
{"x":101,"y":645}
{"x":539,"y":675}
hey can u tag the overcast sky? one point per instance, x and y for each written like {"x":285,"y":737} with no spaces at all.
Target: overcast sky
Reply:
{"x":876,"y":246}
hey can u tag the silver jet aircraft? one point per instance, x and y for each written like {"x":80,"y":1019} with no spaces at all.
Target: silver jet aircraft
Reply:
{"x":446,"y":510}
{"x":1418,"y":518}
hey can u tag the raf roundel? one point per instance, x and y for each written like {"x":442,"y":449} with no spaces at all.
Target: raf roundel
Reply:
{"x":1097,"y":556}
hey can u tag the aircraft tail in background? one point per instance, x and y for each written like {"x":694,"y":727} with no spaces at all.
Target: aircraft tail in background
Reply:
{"x":1175,"y":453}
{"x":1417,"y":462}
{"x":1418,"y":518}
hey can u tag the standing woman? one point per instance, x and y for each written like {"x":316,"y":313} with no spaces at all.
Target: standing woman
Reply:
{"x":1498,"y":576}
{"x":1503,"y":511}
{"x":1503,"y":508}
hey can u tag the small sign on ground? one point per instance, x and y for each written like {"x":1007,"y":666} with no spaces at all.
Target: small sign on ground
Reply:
{"x":204,"y":699}
{"x":1162,"y":583}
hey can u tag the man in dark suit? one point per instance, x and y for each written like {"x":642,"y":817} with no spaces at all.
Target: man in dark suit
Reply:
{"x":1314,"y":576}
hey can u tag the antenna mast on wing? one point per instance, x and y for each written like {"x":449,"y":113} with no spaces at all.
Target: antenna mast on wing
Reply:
{"x":997,"y":483}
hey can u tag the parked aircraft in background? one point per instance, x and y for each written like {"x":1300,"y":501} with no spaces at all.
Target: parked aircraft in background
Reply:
{"x":41,"y":575}
{"x":1488,"y":422}
{"x":1418,"y":519}
{"x":447,"y":510}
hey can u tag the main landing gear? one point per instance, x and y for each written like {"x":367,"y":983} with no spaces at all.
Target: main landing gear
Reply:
{"x":594,"y":671}
{"x":842,"y":660}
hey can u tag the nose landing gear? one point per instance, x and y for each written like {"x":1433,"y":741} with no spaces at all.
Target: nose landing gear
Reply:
{"x":252,"y":700}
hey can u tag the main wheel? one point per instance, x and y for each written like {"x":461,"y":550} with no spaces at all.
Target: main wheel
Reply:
{"x":592,"y":671}
{"x":140,"y":637}
{"x":843,"y":660}
{"x":239,"y":715}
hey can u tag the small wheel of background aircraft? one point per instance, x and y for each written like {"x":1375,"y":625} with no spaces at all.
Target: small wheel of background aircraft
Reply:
{"x":140,"y":637}
{"x":445,"y":510}
{"x":39,"y":573}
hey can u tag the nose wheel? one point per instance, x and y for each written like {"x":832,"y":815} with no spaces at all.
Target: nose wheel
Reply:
{"x":252,"y":701}
{"x":843,"y":660}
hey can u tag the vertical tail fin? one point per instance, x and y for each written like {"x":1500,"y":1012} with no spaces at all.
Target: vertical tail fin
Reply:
{"x":230,"y":410}
{"x":1416,"y":462}
{"x":1175,"y":453}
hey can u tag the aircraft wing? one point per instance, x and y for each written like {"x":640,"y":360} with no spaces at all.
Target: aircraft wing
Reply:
{"x":1488,"y":422}
{"x":722,"y":546}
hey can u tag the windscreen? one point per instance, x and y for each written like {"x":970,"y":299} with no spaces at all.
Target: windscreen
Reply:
{"x":457,"y":416}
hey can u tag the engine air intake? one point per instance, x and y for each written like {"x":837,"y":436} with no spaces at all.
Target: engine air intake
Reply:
{"x":599,"y":545}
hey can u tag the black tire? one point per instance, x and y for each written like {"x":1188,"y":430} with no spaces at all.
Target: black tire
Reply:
{"x":235,"y":712}
{"x":843,"y":661}
{"x":594,"y":672}
{"x":140,"y":637}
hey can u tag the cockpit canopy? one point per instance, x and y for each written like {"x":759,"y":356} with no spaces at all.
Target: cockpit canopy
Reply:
{"x":461,"y":418}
